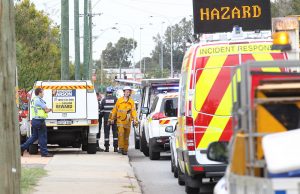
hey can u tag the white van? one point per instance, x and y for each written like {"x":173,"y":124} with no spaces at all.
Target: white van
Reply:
{"x":150,"y":89}
{"x":74,"y":119}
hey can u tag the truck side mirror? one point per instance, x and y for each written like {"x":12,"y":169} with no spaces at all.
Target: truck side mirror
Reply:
{"x":145,"y":110}
{"x":218,"y":151}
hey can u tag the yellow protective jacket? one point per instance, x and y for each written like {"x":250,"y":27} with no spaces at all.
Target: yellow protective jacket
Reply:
{"x":124,"y":112}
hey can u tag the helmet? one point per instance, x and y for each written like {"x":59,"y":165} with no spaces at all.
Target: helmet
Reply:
{"x":109,"y":90}
{"x":127,"y":88}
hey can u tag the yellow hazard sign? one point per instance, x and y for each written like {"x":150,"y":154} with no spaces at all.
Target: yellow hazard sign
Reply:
{"x":64,"y":101}
{"x":234,"y":49}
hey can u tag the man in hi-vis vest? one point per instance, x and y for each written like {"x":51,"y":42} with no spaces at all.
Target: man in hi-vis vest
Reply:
{"x":39,"y":112}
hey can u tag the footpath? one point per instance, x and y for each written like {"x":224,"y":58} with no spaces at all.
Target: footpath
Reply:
{"x":80,"y":173}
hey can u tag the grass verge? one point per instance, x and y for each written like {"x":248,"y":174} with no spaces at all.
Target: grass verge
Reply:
{"x":30,"y":177}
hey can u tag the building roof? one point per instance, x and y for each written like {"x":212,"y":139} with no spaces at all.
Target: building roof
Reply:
{"x":127,"y":70}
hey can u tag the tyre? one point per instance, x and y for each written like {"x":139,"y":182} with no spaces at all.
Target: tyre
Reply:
{"x":175,"y":172}
{"x":153,"y":155}
{"x":172,"y":162}
{"x":136,"y":142}
{"x":23,"y":139}
{"x":33,"y":149}
{"x":84,"y":147}
{"x":180,"y":176}
{"x":92,"y":148}
{"x":144,"y":146}
{"x":191,"y":190}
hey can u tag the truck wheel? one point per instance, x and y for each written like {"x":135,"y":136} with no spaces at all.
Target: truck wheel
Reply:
{"x":144,"y":147}
{"x":180,"y":176}
{"x":92,"y":148}
{"x":172,"y":162}
{"x":172,"y":166}
{"x":153,"y":155}
{"x":175,"y":172}
{"x":84,"y":147}
{"x":33,"y":149}
{"x":136,"y":142}
{"x":191,"y":190}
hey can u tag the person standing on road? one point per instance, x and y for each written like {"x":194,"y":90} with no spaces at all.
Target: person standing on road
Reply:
{"x":124,"y":113}
{"x":39,"y":112}
{"x":107,"y":105}
{"x":99,"y":97}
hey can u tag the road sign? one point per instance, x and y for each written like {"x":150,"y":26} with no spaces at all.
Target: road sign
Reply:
{"x":221,"y":15}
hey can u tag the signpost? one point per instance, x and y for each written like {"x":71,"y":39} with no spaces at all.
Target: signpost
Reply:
{"x":212,"y":16}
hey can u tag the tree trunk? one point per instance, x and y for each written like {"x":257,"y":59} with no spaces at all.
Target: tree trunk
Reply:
{"x":9,"y":131}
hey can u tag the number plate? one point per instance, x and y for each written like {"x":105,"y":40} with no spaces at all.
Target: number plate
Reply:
{"x":64,"y":122}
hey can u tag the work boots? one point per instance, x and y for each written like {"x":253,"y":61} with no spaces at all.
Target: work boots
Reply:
{"x":115,"y":149}
{"x":124,"y":152}
{"x":106,"y":149}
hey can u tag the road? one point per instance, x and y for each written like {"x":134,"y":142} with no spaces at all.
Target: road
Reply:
{"x":154,"y":176}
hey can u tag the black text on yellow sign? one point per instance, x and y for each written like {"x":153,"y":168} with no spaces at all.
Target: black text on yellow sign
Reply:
{"x":222,"y":15}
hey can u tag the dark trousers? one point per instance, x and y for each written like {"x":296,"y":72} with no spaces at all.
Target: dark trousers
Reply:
{"x":38,"y":132}
{"x":107,"y":128}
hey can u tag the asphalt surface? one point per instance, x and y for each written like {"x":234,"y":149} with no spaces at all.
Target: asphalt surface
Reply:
{"x":155,"y":176}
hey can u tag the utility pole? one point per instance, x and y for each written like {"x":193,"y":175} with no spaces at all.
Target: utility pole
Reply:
{"x":90,"y":39}
{"x":77,"y":40}
{"x":9,"y":129}
{"x":141,"y":48}
{"x":162,"y":57}
{"x":86,"y":35}
{"x":64,"y":39}
{"x":101,"y":70}
{"x":172,"y":67}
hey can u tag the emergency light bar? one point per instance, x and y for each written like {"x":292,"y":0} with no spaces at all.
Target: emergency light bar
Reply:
{"x":168,"y":88}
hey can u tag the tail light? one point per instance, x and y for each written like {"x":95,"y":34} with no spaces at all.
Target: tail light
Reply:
{"x":190,"y":134}
{"x":158,"y":116}
{"x":94,"y":121}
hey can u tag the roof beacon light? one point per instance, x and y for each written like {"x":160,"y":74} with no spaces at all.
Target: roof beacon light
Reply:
{"x":281,"y":41}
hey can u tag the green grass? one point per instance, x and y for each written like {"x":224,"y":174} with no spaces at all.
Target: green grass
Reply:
{"x":30,"y":177}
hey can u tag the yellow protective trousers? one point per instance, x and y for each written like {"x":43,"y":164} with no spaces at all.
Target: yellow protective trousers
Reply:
{"x":123,"y":137}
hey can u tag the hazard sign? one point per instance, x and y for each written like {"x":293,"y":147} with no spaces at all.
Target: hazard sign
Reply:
{"x":222,"y":15}
{"x":64,"y":101}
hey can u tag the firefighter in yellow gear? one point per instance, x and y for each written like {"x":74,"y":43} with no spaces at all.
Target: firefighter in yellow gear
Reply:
{"x":124,"y":113}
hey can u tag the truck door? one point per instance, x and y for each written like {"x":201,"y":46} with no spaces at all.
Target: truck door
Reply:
{"x":68,"y":99}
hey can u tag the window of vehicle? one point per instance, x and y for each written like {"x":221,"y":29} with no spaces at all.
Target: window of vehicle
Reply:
{"x":170,"y":107}
{"x":154,"y":104}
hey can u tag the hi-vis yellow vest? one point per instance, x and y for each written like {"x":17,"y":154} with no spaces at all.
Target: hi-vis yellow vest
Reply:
{"x":36,"y":111}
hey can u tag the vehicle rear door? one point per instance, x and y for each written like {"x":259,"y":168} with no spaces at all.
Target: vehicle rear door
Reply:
{"x":67,"y":99}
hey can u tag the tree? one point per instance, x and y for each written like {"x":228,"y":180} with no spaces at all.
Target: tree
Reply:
{"x":281,"y":8}
{"x":181,"y":34}
{"x":38,"y":45}
{"x":119,"y":54}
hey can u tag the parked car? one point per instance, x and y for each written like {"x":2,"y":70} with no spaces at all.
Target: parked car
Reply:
{"x":160,"y":123}
{"x":149,"y":90}
{"x":174,"y":161}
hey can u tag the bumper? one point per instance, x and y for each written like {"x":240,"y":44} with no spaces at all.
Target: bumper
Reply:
{"x":206,"y":170}
{"x":160,"y":144}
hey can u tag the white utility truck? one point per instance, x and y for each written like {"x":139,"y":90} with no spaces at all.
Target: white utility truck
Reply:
{"x":73,"y":121}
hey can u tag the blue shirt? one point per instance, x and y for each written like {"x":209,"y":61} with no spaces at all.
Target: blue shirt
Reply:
{"x":40,"y":102}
